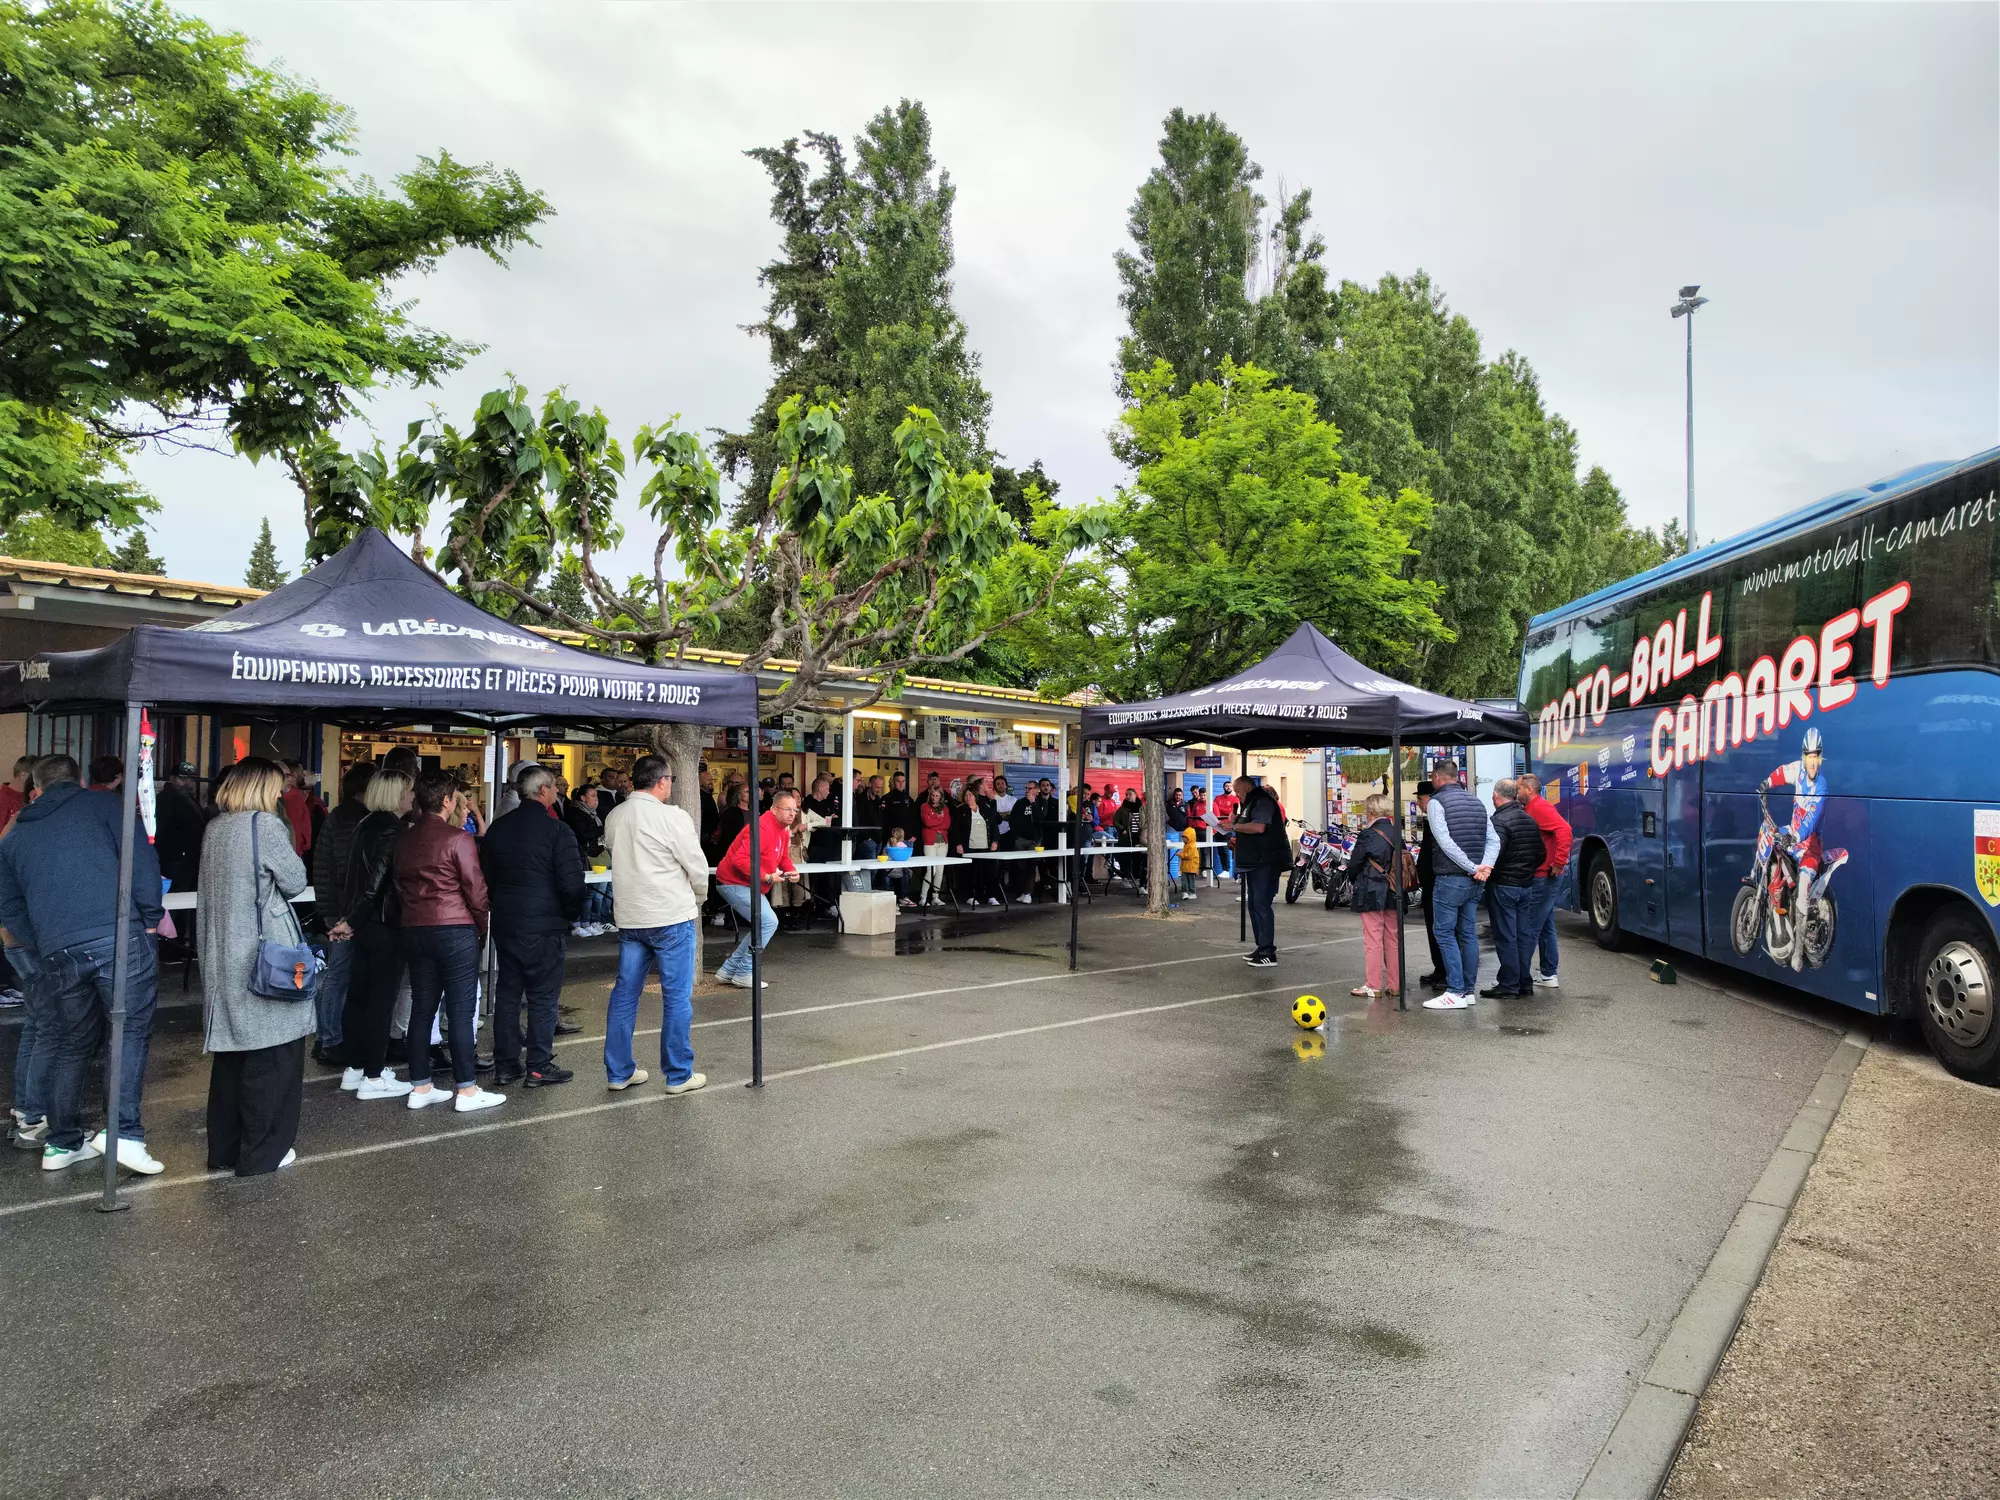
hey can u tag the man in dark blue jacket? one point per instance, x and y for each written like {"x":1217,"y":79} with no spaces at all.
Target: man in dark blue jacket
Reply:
{"x":534,"y":877}
{"x":59,"y":905}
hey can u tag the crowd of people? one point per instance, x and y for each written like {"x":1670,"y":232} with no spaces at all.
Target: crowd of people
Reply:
{"x":408,"y":880}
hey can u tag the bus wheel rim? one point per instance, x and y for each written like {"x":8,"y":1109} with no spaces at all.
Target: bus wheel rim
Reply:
{"x":1959,"y":994}
{"x":1601,"y":899}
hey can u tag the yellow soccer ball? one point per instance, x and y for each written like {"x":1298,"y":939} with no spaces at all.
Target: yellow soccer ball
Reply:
{"x":1309,"y":1012}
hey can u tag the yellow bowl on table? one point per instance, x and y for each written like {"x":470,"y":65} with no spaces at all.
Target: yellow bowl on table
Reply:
{"x":599,"y":869}
{"x":881,"y":859}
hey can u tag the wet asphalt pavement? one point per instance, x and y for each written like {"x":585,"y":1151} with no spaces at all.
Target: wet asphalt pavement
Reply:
{"x":990,"y":1229}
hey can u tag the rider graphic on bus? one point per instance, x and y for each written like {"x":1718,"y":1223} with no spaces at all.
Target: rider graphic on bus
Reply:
{"x":1807,"y":779}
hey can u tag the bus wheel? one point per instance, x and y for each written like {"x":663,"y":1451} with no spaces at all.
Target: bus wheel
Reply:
{"x":1601,"y":902}
{"x":1958,"y":987}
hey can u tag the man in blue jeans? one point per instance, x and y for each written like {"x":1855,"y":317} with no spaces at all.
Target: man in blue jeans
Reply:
{"x":1511,"y":893}
{"x":1458,"y":825}
{"x":1263,"y":851}
{"x":656,"y":855}
{"x":59,"y":903}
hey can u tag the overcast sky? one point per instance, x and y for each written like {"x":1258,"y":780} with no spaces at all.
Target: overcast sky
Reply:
{"x":1829,"y":174}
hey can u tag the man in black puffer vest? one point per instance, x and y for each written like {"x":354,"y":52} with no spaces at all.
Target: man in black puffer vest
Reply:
{"x":1510,"y":889}
{"x":534,"y":878}
{"x":1464,"y":847}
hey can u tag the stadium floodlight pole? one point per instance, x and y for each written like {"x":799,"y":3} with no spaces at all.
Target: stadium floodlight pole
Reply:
{"x":1685,"y":309}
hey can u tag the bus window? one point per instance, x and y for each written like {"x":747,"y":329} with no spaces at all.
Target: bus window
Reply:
{"x":1545,"y":678}
{"x":1944,"y":543}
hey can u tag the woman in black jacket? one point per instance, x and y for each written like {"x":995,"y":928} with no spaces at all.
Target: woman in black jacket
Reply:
{"x":1377,"y":870}
{"x":370,"y":925}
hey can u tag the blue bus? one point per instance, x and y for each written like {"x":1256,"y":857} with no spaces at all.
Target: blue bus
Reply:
{"x":1782,"y":752}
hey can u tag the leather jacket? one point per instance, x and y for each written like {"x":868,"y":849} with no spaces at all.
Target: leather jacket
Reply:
{"x":438,"y":879}
{"x":370,"y":894}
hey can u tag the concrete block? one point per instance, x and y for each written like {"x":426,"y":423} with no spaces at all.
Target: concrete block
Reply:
{"x":1635,"y":1462}
{"x":1694,"y":1346}
{"x":1782,"y":1179}
{"x":1748,"y":1244}
{"x":867,"y":912}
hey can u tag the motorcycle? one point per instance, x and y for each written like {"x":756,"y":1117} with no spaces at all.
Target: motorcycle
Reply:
{"x":1796,"y":921}
{"x":1321,"y":859}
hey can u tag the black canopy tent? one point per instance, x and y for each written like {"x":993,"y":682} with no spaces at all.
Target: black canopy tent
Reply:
{"x":1306,"y":694}
{"x":367,"y":638}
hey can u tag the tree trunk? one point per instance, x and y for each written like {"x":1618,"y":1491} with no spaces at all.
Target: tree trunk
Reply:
{"x":682,"y":745}
{"x":1153,"y":761}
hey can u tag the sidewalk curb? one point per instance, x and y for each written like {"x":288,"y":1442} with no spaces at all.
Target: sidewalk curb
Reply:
{"x":1640,"y":1453}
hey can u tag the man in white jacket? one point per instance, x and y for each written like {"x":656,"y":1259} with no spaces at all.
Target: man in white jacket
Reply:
{"x":656,"y":856}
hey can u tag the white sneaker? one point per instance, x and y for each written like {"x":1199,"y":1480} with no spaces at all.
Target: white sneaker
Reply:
{"x":388,"y":1086}
{"x":694,"y":1081}
{"x":132,"y":1155}
{"x":351,"y":1079}
{"x":425,"y":1098}
{"x":479,"y":1098}
{"x":741,"y":981}
{"x":639,"y":1075}
{"x":1189,"y":896}
{"x":1547,"y":982}
{"x":582,"y":929}
{"x":54,"y":1158}
{"x":1024,"y":900}
{"x":287,"y":1160}
{"x":1448,"y":1001}
{"x":718,"y":920}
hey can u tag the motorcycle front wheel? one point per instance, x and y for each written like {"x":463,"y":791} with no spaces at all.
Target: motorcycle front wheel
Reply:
{"x":1294,"y":885}
{"x":1746,"y":920}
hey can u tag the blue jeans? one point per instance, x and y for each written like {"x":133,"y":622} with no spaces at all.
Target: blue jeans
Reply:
{"x":596,"y":903}
{"x":1513,"y":908}
{"x":77,"y":990}
{"x":672,"y":950}
{"x":331,"y":998}
{"x":1543,"y":924}
{"x":1260,"y":891}
{"x":38,"y":1040}
{"x":738,"y":897}
{"x":1455,"y":917}
{"x":444,"y":970}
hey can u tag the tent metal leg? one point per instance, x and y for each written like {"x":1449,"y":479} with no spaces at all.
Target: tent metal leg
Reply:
{"x":1396,"y":801}
{"x":1242,"y":886}
{"x":756,"y":923}
{"x":1076,"y":874}
{"x":121,"y":954}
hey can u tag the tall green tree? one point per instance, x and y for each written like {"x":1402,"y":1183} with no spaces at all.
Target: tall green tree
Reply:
{"x":1418,"y":405}
{"x":184,"y":253}
{"x":1194,"y":228}
{"x":1242,"y":521}
{"x":859,"y":311}
{"x":264,"y":572}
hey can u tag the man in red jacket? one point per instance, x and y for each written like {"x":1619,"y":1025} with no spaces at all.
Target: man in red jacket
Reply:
{"x":1556,"y":838}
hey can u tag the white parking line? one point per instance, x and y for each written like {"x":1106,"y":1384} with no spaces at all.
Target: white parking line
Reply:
{"x":159,"y":1184}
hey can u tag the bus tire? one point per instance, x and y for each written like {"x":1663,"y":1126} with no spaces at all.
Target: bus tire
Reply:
{"x":1958,"y":994}
{"x":1600,"y":901}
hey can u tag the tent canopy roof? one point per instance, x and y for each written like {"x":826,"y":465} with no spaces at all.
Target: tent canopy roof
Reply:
{"x":369,"y":637}
{"x":1307,"y":693}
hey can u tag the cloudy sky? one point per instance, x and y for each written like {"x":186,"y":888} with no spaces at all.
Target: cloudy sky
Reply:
{"x":1829,"y":174}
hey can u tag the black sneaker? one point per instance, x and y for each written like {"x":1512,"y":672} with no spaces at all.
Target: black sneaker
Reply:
{"x":568,"y":1028}
{"x":507,"y":1073}
{"x":1494,"y":992}
{"x":1432,"y":981}
{"x":1266,"y":962}
{"x":541,"y":1078}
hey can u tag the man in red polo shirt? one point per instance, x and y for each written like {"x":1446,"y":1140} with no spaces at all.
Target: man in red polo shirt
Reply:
{"x":1556,"y":839}
{"x":14,"y":795}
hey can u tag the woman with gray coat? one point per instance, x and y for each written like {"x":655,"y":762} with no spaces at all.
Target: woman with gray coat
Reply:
{"x":259,"y":1045}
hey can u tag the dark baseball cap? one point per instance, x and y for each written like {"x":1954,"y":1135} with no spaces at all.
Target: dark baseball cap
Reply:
{"x":185,"y":768}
